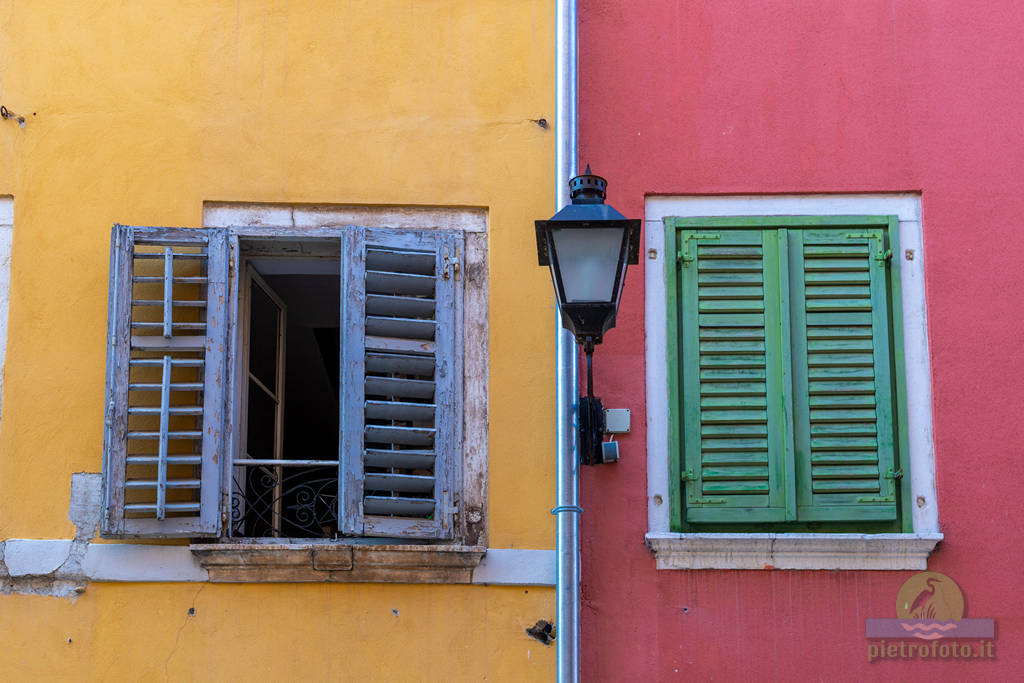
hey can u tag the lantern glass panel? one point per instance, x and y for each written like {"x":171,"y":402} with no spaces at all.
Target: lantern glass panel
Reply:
{"x":588,"y":260}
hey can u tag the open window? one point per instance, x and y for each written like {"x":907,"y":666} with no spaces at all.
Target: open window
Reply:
{"x":273,"y":386}
{"x":285,"y":473}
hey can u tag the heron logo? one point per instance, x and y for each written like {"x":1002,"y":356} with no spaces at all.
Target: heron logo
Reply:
{"x":930,"y":607}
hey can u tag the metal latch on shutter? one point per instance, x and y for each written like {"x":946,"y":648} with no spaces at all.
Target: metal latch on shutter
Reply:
{"x":451,"y":262}
{"x":688,"y":252}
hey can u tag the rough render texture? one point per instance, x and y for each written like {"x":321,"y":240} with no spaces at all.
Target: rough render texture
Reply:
{"x":146,"y":111}
{"x":707,"y":98}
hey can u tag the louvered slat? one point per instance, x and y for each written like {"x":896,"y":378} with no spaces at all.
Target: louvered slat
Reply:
{"x":398,"y":363}
{"x":398,"y":410}
{"x":173,"y":410}
{"x":398,"y":260}
{"x":404,"y":459}
{"x":401,"y":306}
{"x":399,"y":387}
{"x":183,"y":304}
{"x":172,"y":459}
{"x":399,"y":436}
{"x":167,"y":434}
{"x":177,"y":326}
{"x":407,"y":328}
{"x":403,"y":284}
{"x":409,"y":483}
{"x":171,"y":484}
{"x":149,"y":509}
{"x":402,"y":507}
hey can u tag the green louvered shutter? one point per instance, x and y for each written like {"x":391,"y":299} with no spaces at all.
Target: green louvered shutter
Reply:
{"x":731,"y":376}
{"x":842,"y":376}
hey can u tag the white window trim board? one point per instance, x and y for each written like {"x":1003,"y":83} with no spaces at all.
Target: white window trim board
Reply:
{"x":795,"y":551}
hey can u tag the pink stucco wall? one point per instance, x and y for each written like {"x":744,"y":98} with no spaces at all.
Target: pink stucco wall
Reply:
{"x":734,"y":96}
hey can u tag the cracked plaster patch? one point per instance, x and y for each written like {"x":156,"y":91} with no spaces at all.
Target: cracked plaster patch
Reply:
{"x":54,"y":566}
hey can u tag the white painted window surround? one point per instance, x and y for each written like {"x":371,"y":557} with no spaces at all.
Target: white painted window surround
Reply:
{"x":803,"y":550}
{"x":6,"y":235}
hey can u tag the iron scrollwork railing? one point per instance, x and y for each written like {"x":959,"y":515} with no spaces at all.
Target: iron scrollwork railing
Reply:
{"x":289,"y":499}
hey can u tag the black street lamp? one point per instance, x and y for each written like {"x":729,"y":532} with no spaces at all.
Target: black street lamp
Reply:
{"x":588,"y":245}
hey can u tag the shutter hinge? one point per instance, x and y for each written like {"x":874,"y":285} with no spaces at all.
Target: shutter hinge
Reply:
{"x":451,"y":509}
{"x":692,"y":499}
{"x":688,"y":252}
{"x":881,"y":254}
{"x":892,"y":476}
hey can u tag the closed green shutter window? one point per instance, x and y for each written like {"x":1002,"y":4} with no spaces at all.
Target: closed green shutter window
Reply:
{"x":783,"y":391}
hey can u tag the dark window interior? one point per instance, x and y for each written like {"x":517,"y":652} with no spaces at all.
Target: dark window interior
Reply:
{"x":297,"y":500}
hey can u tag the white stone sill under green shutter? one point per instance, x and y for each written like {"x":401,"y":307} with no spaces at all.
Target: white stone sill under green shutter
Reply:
{"x":792,"y":551}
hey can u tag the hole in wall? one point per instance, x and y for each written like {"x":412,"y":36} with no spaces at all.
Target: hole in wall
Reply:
{"x":543,"y":631}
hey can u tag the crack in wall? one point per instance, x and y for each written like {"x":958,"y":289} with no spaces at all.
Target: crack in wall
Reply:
{"x":189,"y":614}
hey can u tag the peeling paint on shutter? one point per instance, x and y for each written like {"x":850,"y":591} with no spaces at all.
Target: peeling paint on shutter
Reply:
{"x":164,"y":426}
{"x":843,"y":411}
{"x":732,"y":378}
{"x":401,"y":382}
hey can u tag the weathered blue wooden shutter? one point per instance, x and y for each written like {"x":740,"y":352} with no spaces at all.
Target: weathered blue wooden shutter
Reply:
{"x":401,"y":412}
{"x":164,"y":430}
{"x":732,"y":382}
{"x":842,"y":375}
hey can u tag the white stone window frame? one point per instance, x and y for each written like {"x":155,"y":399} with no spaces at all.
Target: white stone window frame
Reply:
{"x":792,"y":550}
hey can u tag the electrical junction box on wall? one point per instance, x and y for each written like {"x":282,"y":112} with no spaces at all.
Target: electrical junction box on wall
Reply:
{"x":616,"y":421}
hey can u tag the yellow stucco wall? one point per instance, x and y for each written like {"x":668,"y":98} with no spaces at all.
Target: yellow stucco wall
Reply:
{"x":138,"y":112}
{"x":296,"y":632}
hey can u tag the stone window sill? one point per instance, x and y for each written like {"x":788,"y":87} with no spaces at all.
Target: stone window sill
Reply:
{"x":294,"y":562}
{"x":792,"y":551}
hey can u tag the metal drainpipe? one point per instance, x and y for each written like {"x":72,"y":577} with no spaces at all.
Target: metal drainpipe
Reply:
{"x":567,"y":510}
